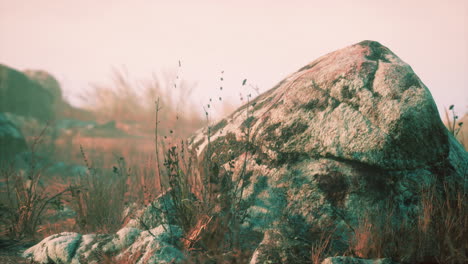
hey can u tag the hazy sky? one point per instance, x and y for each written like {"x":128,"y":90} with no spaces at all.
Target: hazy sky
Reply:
{"x":79,"y":41}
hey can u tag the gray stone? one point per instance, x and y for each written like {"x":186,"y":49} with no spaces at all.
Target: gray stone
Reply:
{"x":58,"y":248}
{"x":128,"y":245}
{"x":155,"y":214}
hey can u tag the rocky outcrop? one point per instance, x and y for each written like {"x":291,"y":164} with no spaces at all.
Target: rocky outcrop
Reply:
{"x":46,"y":81}
{"x":61,"y":108}
{"x":23,"y":96}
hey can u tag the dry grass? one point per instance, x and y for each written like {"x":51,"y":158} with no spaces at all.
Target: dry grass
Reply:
{"x":133,"y":102}
{"x":24,"y":198}
{"x":321,"y":247}
{"x":445,"y":218}
{"x":438,"y":234}
{"x":207,"y":200}
{"x":455,"y":126}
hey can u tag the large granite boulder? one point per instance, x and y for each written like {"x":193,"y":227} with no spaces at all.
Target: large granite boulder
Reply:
{"x":354,"y":135}
{"x":361,"y":103}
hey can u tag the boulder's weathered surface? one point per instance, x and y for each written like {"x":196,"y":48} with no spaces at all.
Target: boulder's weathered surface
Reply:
{"x":353,"y":135}
{"x":361,"y":103}
{"x":12,"y":141}
{"x":128,"y":245}
{"x":23,"y":96}
{"x":153,"y":215}
{"x":58,"y":248}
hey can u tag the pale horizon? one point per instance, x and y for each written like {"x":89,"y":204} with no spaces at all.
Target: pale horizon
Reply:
{"x":80,"y":42}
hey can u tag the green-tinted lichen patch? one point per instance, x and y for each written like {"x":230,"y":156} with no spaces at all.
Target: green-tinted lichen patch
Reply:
{"x":248,"y":122}
{"x":296,"y":128}
{"x":377,"y":51}
{"x":368,"y":75}
{"x":321,"y":99}
{"x":258,"y":155}
{"x":220,"y":125}
{"x":334,"y":82}
{"x":227,"y":148}
{"x":270,"y":132}
{"x":409,"y":80}
{"x":290,"y":158}
{"x":394,"y":94}
{"x":315,"y":104}
{"x":277,"y":141}
{"x":258,"y":104}
{"x":296,"y":179}
{"x":251,"y":106}
{"x":346,"y":93}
